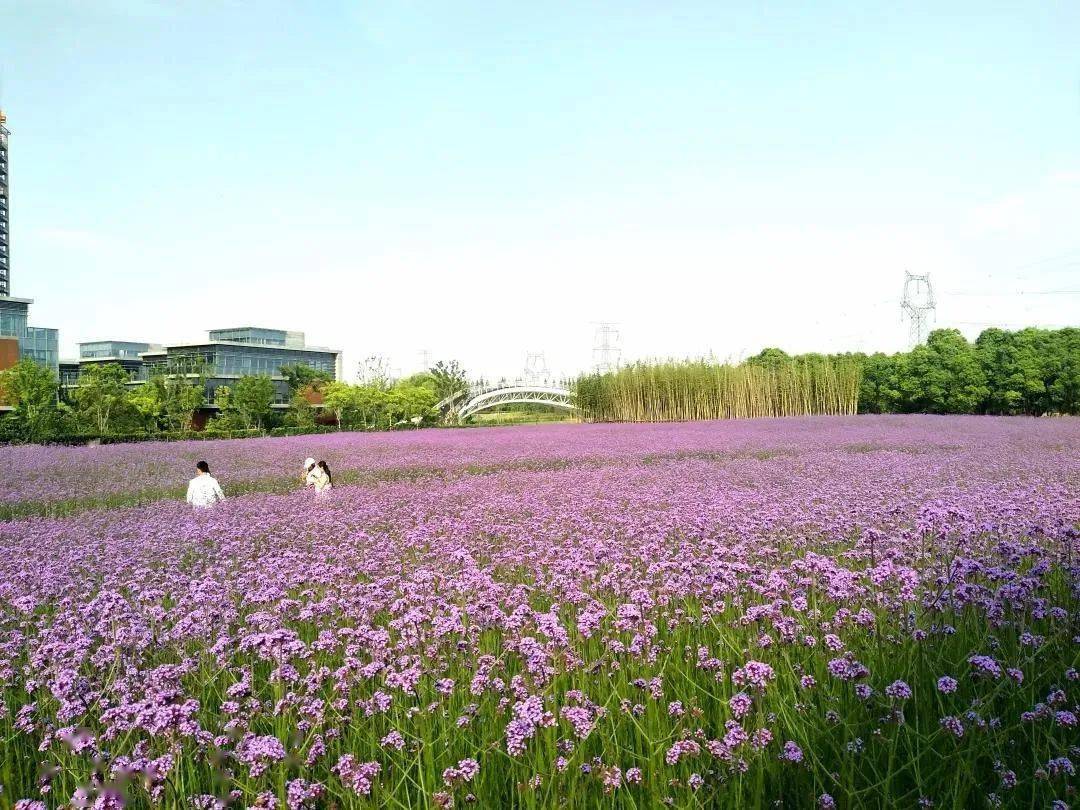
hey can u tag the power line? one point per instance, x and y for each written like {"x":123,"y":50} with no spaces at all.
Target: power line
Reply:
{"x":1067,"y":255}
{"x":1009,"y":293}
{"x":1008,"y":324}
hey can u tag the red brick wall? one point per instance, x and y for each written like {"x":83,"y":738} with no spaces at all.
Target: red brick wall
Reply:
{"x":9,"y":356}
{"x":9,"y":352}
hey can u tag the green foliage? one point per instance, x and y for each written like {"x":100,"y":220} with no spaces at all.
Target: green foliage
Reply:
{"x":770,"y":358}
{"x":1031,"y":371}
{"x":422,"y":379}
{"x":174,"y":394}
{"x":103,"y":400}
{"x":373,"y":407}
{"x":249,"y":400}
{"x":879,"y":390}
{"x":413,"y":404}
{"x":31,"y":388}
{"x":301,"y":412}
{"x":945,"y":376}
{"x":340,"y":400}
{"x":301,"y":377}
{"x":449,"y":378}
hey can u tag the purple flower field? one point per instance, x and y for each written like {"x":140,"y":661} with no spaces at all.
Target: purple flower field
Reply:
{"x":828,"y":612}
{"x":58,"y":473}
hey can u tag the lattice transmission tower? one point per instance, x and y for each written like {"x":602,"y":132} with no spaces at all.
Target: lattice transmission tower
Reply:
{"x":536,"y":369}
{"x":917,"y":304}
{"x":606,"y":349}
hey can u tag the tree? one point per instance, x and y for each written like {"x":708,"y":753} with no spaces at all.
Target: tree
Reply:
{"x":880,"y":389}
{"x":146,"y":406}
{"x":102,"y":395}
{"x":250,"y":399}
{"x":301,"y":411}
{"x":370,"y":403}
{"x":945,"y":375}
{"x":375,"y":371}
{"x":421,"y":379}
{"x":449,"y":379}
{"x":31,"y":388}
{"x":410,"y":403}
{"x":770,"y":358}
{"x":300,"y":377}
{"x":175,"y":393}
{"x":1063,"y":381}
{"x":1011,"y":363}
{"x":339,"y":398}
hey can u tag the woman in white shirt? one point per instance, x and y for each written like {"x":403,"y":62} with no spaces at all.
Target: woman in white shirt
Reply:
{"x":203,"y":490}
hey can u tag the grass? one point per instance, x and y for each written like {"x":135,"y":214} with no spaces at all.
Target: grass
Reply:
{"x":521,"y":418}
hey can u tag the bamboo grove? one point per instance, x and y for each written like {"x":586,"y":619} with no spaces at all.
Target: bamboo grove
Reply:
{"x":679,"y":391}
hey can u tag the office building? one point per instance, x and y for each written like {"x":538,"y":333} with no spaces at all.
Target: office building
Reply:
{"x":20,"y":340}
{"x":125,"y":353}
{"x":229,"y":354}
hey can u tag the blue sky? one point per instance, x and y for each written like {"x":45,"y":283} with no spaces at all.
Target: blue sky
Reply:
{"x":485,"y":179}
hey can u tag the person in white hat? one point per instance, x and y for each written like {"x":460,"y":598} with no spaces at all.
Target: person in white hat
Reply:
{"x":316,"y":475}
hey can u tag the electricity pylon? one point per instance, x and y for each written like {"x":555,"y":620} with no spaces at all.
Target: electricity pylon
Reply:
{"x":606,"y":351}
{"x":918,"y":304}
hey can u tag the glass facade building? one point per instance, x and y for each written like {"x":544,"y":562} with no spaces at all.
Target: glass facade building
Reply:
{"x":42,"y":346}
{"x":35,"y":342}
{"x":13,"y":316}
{"x":259,"y":337}
{"x":227,"y":356}
{"x":233,"y":353}
{"x":114,"y":350}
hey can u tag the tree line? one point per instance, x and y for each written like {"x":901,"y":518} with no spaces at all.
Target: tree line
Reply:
{"x":105,"y":405}
{"x":1029,"y":371}
{"x":1026,"y":372}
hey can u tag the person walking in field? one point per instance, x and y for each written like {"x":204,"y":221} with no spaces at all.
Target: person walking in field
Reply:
{"x":203,"y":490}
{"x":317,"y":474}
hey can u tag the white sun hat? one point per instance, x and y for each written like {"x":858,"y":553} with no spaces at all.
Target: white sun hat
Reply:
{"x":309,"y":462}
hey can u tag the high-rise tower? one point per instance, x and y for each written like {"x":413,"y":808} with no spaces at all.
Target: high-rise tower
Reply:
{"x":5,"y":233}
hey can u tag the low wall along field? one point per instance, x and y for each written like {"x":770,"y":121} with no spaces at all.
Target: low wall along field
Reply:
{"x":825,"y":612}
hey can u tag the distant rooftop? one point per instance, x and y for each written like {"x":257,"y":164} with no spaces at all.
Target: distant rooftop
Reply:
{"x":258,"y":335}
{"x":196,"y":344}
{"x":128,"y":349}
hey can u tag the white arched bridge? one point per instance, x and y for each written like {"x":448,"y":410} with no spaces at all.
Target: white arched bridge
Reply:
{"x":482,"y":396}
